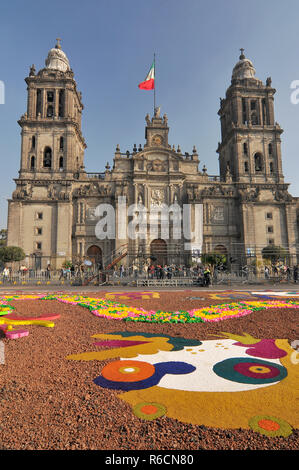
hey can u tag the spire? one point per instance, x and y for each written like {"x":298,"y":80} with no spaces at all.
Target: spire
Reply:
{"x":242,"y":56}
{"x":57,"y":59}
{"x":244,"y":68}
{"x":58,"y":46}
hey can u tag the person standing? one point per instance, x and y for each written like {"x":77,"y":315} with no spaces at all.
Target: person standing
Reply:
{"x":48,"y":271}
{"x":295,"y":273}
{"x":5,"y":274}
{"x":207,"y":277}
{"x":135,"y":271}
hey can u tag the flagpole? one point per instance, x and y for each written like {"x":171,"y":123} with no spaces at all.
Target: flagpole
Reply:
{"x":155,"y":83}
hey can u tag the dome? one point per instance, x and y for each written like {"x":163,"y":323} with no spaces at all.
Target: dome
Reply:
{"x":57,"y":59}
{"x":243,"y":69}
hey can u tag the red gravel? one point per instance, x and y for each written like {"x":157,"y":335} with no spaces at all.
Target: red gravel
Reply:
{"x":48,"y":402}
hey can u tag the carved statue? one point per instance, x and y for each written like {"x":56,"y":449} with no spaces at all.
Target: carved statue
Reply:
{"x":32,"y":70}
{"x":282,"y":195}
{"x":249,"y":194}
{"x":157,"y":112}
{"x":51,"y":192}
{"x":190,"y":194}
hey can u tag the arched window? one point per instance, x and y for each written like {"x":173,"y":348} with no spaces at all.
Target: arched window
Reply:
{"x":246,"y":167}
{"x":32,"y":163}
{"x":61,"y":143}
{"x":33,"y":142}
{"x":245,"y":150}
{"x":61,"y":103}
{"x":61,"y":163}
{"x":258,"y":162}
{"x":271,"y":167}
{"x":270,"y":149}
{"x":47,"y":163}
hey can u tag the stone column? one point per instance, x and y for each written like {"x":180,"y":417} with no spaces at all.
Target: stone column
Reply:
{"x":43,"y":98}
{"x":292,"y":231}
{"x":271,"y":110}
{"x":56,"y":102}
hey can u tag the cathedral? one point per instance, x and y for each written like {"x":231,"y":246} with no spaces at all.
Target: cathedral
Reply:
{"x":53,"y":212}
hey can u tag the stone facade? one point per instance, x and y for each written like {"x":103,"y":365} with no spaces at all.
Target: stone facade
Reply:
{"x":52,"y":213}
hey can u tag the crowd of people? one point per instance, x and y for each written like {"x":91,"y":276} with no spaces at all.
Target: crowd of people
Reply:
{"x":203,"y":274}
{"x":282,"y":270}
{"x":158,"y":271}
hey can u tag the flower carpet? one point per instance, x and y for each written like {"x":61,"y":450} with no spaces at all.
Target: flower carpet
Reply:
{"x":166,"y":369}
{"x":237,"y":381}
{"x":118,"y":311}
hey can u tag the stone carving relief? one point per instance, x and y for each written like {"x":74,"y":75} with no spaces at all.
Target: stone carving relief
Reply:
{"x":91,"y":213}
{"x":23,"y":192}
{"x":157,"y":197}
{"x":157,"y":165}
{"x":94,"y":189}
{"x":280,"y":195}
{"x":249,"y":194}
{"x":217,"y":214}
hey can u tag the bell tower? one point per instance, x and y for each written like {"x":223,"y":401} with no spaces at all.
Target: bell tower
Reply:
{"x":250,"y":145}
{"x":52,"y":142}
{"x":156,"y":131}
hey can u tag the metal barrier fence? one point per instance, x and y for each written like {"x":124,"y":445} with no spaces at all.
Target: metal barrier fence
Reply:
{"x":137,"y":279}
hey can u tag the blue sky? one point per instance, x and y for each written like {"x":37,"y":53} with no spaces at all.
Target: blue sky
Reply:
{"x":110,"y":46}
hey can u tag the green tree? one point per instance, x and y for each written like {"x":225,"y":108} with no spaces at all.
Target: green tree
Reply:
{"x":213,"y":259}
{"x":11,"y":253}
{"x":274,"y":253}
{"x":3,"y":237}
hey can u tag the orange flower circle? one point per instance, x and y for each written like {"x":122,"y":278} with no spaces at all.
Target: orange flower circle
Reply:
{"x":269,"y":425}
{"x":128,"y":371}
{"x":149,"y":409}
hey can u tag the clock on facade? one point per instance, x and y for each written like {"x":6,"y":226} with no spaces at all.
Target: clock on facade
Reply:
{"x":157,"y":140}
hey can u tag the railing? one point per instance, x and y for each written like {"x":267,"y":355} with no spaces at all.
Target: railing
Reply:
{"x":99,"y":176}
{"x":175,"y":282}
{"x":213,"y":178}
{"x":140,"y":277}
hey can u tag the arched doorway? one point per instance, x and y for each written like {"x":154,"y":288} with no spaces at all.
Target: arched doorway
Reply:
{"x":220,"y":250}
{"x":95,"y":254}
{"x":158,"y":250}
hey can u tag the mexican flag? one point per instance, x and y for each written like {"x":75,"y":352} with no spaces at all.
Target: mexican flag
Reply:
{"x":149,"y":82}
